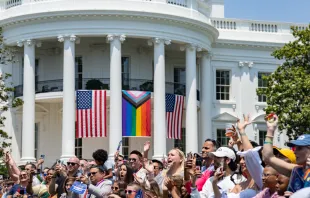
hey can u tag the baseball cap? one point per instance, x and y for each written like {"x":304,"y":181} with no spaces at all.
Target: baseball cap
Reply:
{"x":303,"y":140}
{"x":286,"y":153}
{"x":224,"y":152}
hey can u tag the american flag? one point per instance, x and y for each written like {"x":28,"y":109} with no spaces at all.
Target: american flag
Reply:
{"x":174,"y":113}
{"x":91,"y":114}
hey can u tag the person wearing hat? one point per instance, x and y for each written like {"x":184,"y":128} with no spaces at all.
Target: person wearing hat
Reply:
{"x":285,"y":154}
{"x":299,"y":172}
{"x":225,"y":164}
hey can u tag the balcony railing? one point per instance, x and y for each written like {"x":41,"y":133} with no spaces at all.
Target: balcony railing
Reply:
{"x":254,"y":26}
{"x":12,"y":3}
{"x":102,"y":83}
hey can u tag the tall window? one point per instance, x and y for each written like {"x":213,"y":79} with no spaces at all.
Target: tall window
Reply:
{"x":78,"y":147}
{"x":179,"y":81}
{"x":79,"y":72}
{"x":181,"y":144}
{"x":36,"y":139}
{"x":222,"y":85}
{"x":125,"y":72}
{"x":125,"y":147}
{"x":262,"y":136}
{"x":221,"y":137}
{"x":36,"y":73}
{"x":262,"y":83}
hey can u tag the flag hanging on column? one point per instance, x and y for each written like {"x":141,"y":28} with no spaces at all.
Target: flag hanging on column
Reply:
{"x":91,"y":114}
{"x":136,"y":111}
{"x":174,"y":113}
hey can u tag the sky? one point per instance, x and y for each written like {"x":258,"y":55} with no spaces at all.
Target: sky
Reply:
{"x":296,"y":11}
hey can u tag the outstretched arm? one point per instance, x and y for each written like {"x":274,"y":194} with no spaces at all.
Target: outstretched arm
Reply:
{"x":280,"y":165}
{"x":12,"y":167}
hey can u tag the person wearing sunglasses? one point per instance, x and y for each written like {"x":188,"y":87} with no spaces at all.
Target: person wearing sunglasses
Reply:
{"x":73,"y":166}
{"x":132,"y":190}
{"x":96,"y":184}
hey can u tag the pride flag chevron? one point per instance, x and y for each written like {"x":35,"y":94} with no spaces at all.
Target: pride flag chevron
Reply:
{"x":136,"y":111}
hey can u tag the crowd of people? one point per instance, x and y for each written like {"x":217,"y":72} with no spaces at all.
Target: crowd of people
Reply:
{"x":240,"y":169}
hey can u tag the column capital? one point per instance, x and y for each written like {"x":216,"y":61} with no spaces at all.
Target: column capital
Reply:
{"x":156,"y":40}
{"x":207,"y":54}
{"x":72,"y":38}
{"x":29,"y":42}
{"x":111,"y":37}
{"x":191,"y":46}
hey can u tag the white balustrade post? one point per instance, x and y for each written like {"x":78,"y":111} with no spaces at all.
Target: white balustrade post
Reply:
{"x":115,"y":133}
{"x":28,"y":137}
{"x":191,"y":99}
{"x":68,"y":111}
{"x":160,"y":128}
{"x":206,"y":97}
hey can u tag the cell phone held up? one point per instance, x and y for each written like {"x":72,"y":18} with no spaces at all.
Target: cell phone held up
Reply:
{"x":189,"y":156}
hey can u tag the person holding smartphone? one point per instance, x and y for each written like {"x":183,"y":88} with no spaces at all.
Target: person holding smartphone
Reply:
{"x":20,"y":189}
{"x":225,"y":163}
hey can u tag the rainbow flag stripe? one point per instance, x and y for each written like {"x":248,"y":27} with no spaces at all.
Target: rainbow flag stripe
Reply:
{"x":136,"y":110}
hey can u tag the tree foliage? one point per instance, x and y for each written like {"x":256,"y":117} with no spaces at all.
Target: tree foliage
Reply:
{"x":6,"y":92}
{"x":288,"y":91}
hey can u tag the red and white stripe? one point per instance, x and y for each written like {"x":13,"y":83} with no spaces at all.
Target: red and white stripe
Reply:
{"x":174,"y":119}
{"x":92,"y":122}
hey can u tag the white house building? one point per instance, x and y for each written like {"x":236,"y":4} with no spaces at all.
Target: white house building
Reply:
{"x":185,"y":47}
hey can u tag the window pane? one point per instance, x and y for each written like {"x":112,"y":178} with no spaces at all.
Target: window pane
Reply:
{"x":218,"y":97}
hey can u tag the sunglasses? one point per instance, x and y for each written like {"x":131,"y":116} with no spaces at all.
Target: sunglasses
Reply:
{"x":92,"y":173}
{"x":129,"y":192}
{"x":132,"y":159}
{"x":71,"y":163}
{"x":114,"y":188}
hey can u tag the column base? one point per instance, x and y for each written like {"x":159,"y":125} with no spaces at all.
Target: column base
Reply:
{"x":159,"y":157}
{"x":25,"y":160}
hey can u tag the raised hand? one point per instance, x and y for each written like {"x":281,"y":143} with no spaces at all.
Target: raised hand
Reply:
{"x":246,"y":122}
{"x":272,"y":121}
{"x":218,"y":176}
{"x":147,"y":146}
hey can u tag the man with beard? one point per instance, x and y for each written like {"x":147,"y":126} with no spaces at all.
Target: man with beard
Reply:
{"x":207,"y":169}
{"x":225,"y":163}
{"x":59,"y":176}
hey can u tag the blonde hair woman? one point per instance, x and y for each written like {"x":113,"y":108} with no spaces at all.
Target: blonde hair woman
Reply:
{"x":176,"y":160}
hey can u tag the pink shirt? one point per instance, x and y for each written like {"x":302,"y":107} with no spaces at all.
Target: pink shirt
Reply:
{"x":266,"y":194}
{"x":200,"y":181}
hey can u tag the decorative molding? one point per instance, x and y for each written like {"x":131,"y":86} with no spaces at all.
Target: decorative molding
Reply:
{"x":29,"y":42}
{"x":111,"y":37}
{"x":246,"y":63}
{"x":157,"y":40}
{"x":72,"y":38}
{"x":191,"y":46}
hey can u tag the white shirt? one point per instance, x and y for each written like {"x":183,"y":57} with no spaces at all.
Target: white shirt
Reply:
{"x":225,"y":185}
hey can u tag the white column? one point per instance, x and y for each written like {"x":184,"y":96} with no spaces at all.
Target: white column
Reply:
{"x":206,"y":98}
{"x":191,"y":99}
{"x":115,"y":133}
{"x":28,"y":154}
{"x":68,"y":110}
{"x":160,"y":132}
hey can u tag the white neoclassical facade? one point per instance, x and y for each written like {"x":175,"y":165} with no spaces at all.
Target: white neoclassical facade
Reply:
{"x":184,"y":47}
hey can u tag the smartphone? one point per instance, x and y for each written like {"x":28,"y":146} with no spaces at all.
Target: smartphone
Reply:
{"x":42,"y":156}
{"x":22,"y":191}
{"x":198,"y":164}
{"x":119,"y":145}
{"x":189,"y":156}
{"x":220,"y":169}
